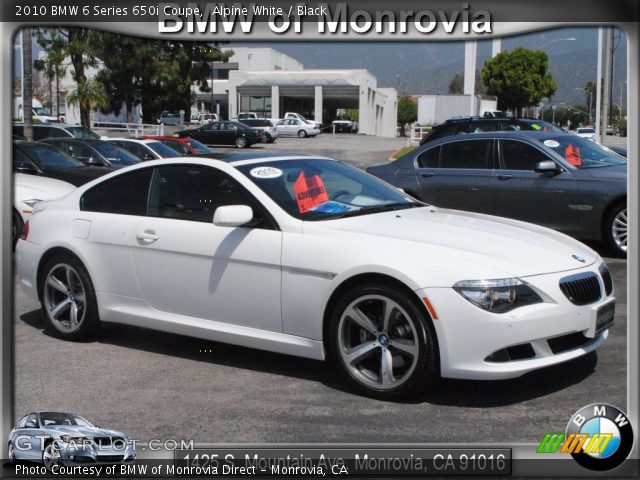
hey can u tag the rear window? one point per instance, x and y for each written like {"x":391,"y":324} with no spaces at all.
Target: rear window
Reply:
{"x":125,"y":194}
{"x":475,"y":154}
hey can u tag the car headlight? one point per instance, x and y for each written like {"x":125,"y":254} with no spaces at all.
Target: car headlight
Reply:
{"x":498,"y":296}
{"x":32,"y":201}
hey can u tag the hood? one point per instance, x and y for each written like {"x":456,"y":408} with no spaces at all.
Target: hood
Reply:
{"x":499,"y":244}
{"x":33,"y":186}
{"x":85,"y":431}
{"x":79,"y":175}
{"x":609,"y":173}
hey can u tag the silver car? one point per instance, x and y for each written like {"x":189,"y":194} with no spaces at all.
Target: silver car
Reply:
{"x":56,"y":438}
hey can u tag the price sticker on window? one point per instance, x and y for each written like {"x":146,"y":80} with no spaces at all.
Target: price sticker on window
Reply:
{"x":310,"y":192}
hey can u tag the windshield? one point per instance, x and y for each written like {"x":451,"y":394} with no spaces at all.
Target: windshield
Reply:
{"x":312,"y":189}
{"x":57,"y":418}
{"x":41,"y":111}
{"x":81,"y":132}
{"x":115,"y":154}
{"x":162,"y":150}
{"x":50,"y":158}
{"x":583,"y":153}
{"x":199,"y":147}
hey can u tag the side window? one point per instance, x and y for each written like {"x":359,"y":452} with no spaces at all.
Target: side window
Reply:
{"x":474,"y":154}
{"x":124,"y":195}
{"x":194,"y":192}
{"x":138,"y":150}
{"x":32,"y":421}
{"x":520,"y":156}
{"x":79,"y":152}
{"x":20,"y":158}
{"x":484,"y":126}
{"x":429,"y":158}
{"x":22,"y":422}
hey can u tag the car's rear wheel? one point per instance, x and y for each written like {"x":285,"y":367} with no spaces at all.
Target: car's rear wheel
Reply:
{"x":382,"y":342}
{"x":16,"y":227}
{"x":302,"y":134}
{"x":616,"y":229}
{"x":241,"y":142}
{"x":68,"y":298}
{"x":50,"y":456}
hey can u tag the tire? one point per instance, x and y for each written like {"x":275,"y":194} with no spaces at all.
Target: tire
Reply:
{"x":16,"y":228}
{"x":12,"y":455}
{"x":412,"y":367}
{"x":68,"y":298}
{"x":50,"y":456}
{"x":302,"y":134}
{"x":615,"y":229}
{"x":241,"y":142}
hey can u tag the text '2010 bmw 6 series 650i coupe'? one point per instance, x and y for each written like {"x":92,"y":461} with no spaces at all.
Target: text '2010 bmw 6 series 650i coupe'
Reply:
{"x":310,"y":257}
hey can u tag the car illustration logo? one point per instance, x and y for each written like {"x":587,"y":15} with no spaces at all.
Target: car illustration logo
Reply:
{"x":579,"y":258}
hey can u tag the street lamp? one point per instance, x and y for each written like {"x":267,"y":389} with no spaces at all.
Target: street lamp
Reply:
{"x":590,"y":97}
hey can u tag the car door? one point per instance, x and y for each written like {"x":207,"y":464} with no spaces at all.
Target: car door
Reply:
{"x":457,"y":174}
{"x":227,"y":133}
{"x":521,"y":193}
{"x":208,"y":133}
{"x":186,"y":265}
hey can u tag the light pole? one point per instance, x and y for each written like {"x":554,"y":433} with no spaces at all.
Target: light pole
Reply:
{"x":590,"y":98}
{"x":620,"y":104}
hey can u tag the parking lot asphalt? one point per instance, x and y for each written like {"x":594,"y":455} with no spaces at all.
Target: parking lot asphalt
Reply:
{"x":154,"y":385}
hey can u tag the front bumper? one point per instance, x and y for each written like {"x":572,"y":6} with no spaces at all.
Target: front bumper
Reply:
{"x":82,"y":455}
{"x":477,"y":344}
{"x":27,"y":255}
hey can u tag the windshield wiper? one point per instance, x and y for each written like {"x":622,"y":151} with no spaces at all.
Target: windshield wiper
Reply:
{"x":373,"y":209}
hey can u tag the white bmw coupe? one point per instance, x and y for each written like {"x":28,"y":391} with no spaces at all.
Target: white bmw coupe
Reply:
{"x":311,"y":257}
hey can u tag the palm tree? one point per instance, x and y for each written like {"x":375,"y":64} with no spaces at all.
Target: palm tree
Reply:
{"x":27,"y":83}
{"x":88,"y":95}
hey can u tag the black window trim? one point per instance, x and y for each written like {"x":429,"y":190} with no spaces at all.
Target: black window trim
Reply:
{"x":453,"y":139}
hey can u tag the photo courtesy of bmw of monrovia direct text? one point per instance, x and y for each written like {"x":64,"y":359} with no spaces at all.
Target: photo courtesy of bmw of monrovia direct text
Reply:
{"x":319,"y":239}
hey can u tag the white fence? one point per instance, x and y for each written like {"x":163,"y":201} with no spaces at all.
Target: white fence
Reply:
{"x":129,"y":129}
{"x":417,"y":132}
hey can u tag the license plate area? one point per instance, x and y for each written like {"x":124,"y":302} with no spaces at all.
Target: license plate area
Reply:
{"x":604,"y":317}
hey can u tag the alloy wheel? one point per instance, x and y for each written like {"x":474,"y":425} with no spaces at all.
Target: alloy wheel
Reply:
{"x":65,"y":298}
{"x":378,"y":342}
{"x":619,"y":229}
{"x":50,"y":456}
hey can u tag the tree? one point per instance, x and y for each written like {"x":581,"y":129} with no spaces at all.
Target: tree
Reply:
{"x":456,"y":86}
{"x":519,"y":78}
{"x":27,"y":74}
{"x":88,"y":95}
{"x":407,"y":112}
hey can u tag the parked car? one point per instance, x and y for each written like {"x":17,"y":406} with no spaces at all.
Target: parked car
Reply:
{"x":144,"y":149}
{"x":182,"y":145}
{"x":557,"y":180}
{"x":247,"y":115}
{"x":302,"y":119}
{"x":224,"y":133}
{"x":457,"y":126}
{"x":170,"y":118}
{"x":270,"y":132}
{"x":344,"y":123}
{"x":94,"y":152}
{"x":292,"y":127}
{"x":622,"y":151}
{"x":64,"y":439}
{"x":48,"y":130}
{"x":336,"y":263}
{"x":29,"y":190}
{"x":42,"y":159}
{"x":586,"y":132}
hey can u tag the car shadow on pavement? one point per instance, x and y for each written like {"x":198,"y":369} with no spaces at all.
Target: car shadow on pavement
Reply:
{"x":451,"y":392}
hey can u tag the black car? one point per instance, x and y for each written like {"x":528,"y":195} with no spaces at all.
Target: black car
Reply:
{"x":94,"y":152}
{"x":38,"y":158}
{"x":553,"y":179}
{"x":224,"y":133}
{"x":456,"y":126}
{"x":48,"y":130}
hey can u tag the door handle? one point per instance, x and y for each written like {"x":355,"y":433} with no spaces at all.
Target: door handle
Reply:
{"x":504,"y":177}
{"x":148,"y":236}
{"x":427,"y":174}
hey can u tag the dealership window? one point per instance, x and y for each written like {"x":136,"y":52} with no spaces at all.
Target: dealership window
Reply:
{"x":474,"y":154}
{"x":124,"y":195}
{"x":194,"y":192}
{"x":520,"y":156}
{"x":429,"y":158}
{"x":259,"y":105}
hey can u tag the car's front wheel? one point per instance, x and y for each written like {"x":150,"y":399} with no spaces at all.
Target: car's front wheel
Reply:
{"x":68,"y":298}
{"x":241,"y":142}
{"x":382,"y":342}
{"x":302,"y":134}
{"x":616,"y":229}
{"x":50,"y":456}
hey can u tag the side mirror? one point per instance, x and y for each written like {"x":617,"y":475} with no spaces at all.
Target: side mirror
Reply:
{"x":25,"y":167}
{"x":547,"y":166}
{"x":232,"y":215}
